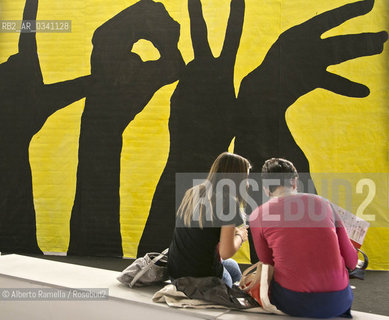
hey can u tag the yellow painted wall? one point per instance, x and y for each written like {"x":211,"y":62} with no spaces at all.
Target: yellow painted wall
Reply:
{"x":337,"y":134}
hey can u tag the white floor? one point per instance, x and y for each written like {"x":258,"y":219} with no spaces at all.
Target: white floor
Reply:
{"x":18,"y":271}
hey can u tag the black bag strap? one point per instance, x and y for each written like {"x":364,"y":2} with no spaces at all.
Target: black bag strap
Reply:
{"x":365,"y":260}
{"x":359,"y":271}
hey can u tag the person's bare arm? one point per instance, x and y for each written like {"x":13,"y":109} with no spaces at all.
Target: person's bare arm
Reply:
{"x":231,"y":239}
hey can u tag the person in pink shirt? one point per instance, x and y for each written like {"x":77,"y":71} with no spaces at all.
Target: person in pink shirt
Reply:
{"x":306,"y":242}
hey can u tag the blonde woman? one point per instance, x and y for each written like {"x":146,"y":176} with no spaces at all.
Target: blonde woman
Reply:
{"x":207,"y":232}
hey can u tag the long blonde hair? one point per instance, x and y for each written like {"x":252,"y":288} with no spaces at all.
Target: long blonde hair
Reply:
{"x":224,"y":163}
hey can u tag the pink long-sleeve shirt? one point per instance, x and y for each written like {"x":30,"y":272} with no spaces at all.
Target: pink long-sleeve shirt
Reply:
{"x":305,"y":241}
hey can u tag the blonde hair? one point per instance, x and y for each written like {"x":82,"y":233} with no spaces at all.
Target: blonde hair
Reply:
{"x":224,"y":163}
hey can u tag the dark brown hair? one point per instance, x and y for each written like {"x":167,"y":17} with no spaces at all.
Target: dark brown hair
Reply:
{"x":281,"y":169}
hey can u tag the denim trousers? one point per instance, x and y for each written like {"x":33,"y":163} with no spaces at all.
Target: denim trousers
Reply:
{"x":231,"y":272}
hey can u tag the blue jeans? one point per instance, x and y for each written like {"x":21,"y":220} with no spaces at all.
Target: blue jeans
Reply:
{"x":231,"y":272}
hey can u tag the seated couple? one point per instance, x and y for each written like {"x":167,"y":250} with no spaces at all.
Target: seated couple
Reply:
{"x":310,"y":256}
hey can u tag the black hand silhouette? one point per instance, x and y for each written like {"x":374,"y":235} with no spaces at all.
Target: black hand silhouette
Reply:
{"x":200,"y":124}
{"x":295,"y":65}
{"x":123,"y":85}
{"x":26,"y":103}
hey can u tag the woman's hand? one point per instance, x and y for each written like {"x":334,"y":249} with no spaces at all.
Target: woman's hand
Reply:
{"x":242,"y":233}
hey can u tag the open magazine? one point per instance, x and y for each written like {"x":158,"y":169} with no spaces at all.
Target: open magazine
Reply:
{"x":355,"y":226}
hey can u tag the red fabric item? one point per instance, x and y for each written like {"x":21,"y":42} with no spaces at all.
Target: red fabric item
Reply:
{"x":255,"y":293}
{"x":297,"y":235}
